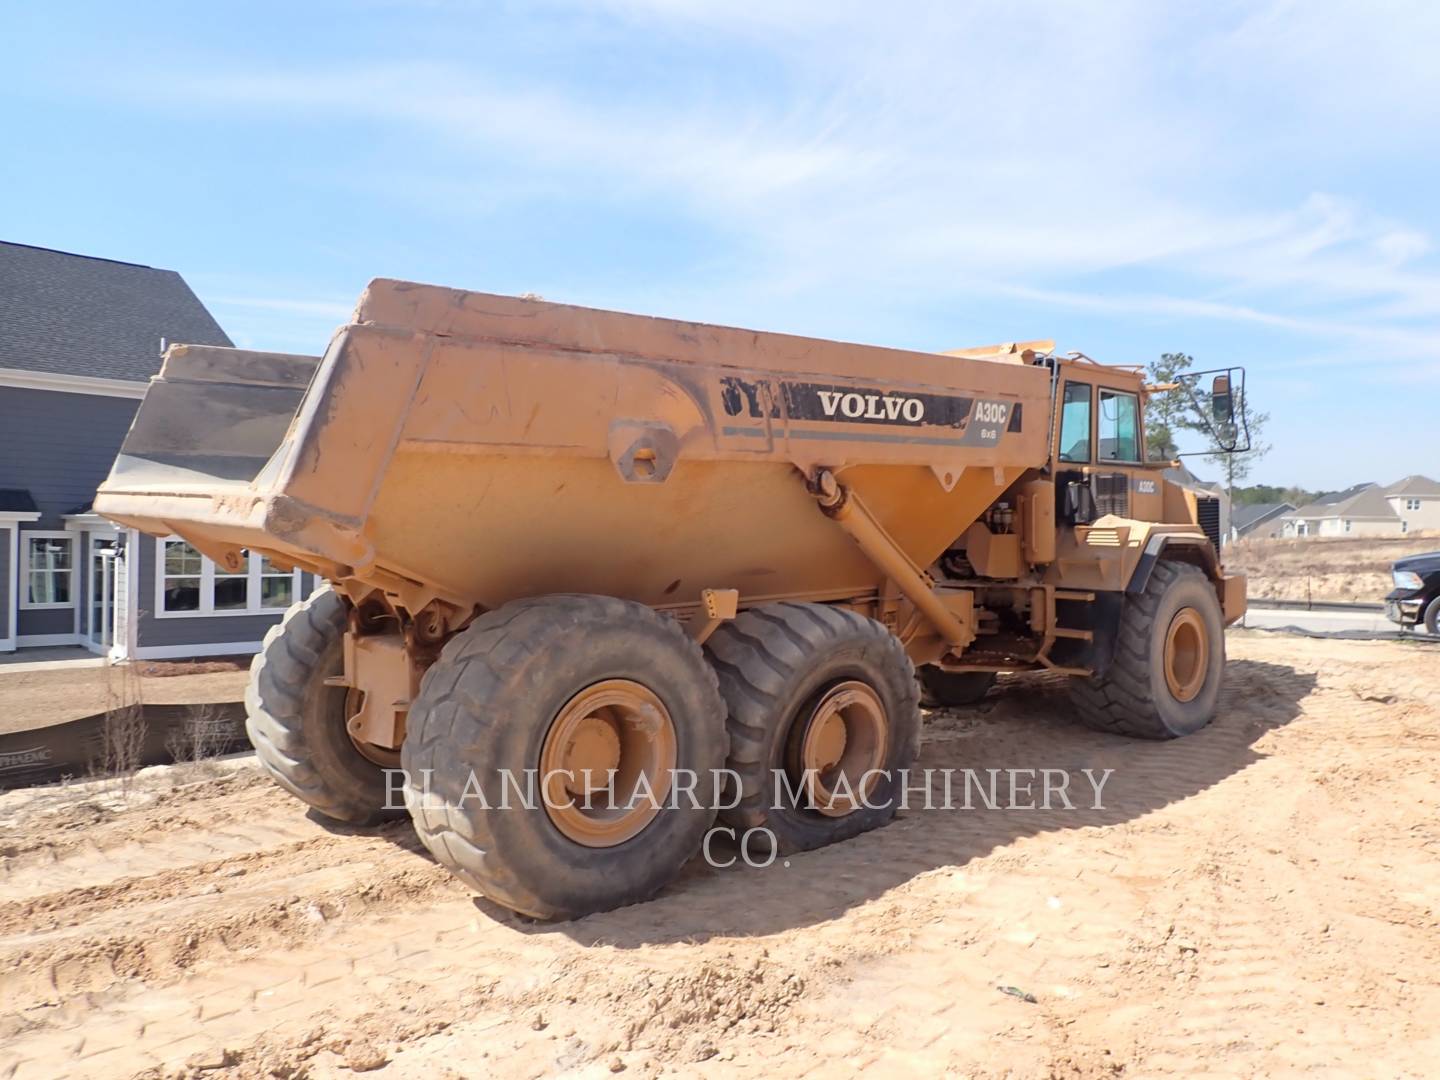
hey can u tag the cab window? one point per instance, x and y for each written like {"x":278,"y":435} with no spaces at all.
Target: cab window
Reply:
{"x":1075,"y":423}
{"x":1119,"y":426}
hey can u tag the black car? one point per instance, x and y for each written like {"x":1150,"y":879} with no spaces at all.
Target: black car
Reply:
{"x":1416,"y":598}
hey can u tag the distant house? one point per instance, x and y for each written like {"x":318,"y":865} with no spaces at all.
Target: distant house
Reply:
{"x":80,"y":338}
{"x":1369,"y":510}
{"x":1260,"y":520}
{"x":1416,"y":502}
{"x":1180,"y":474}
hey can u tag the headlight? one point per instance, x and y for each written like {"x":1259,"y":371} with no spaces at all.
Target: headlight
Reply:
{"x":1407,"y":579}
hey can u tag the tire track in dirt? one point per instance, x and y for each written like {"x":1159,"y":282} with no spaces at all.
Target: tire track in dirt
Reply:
{"x":1232,"y":882}
{"x":107,"y":834}
{"x":152,"y":928}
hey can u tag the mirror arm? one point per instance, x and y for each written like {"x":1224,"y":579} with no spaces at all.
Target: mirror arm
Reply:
{"x":1231,"y":446}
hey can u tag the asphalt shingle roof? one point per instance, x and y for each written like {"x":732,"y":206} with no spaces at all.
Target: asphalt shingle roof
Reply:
{"x":1414,"y":485}
{"x":1181,"y":475}
{"x":17,"y":501}
{"x":1243,"y":517}
{"x":1327,"y":505}
{"x":1367,"y":503}
{"x":70,"y":314}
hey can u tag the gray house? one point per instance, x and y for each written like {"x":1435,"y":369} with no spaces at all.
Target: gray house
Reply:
{"x":1260,"y":520}
{"x":79,"y":339}
{"x":1181,"y":475}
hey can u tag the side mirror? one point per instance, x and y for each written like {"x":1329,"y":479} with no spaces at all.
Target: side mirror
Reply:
{"x":1222,"y":403}
{"x":1079,"y":503}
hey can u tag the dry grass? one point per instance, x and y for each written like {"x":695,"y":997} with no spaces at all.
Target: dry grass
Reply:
{"x":203,"y":735}
{"x":122,"y":744}
{"x":1324,"y":568}
{"x":169,"y":669}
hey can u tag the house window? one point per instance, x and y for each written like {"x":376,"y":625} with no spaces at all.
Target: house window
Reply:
{"x":277,"y":586}
{"x":232,"y":591}
{"x":188,"y":584}
{"x":49,"y":570}
{"x":183,"y":573}
{"x":1347,"y":524}
{"x":1404,"y":526}
{"x":1412,"y":504}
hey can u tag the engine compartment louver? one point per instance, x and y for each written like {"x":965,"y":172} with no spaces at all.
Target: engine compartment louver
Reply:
{"x":1207,"y":511}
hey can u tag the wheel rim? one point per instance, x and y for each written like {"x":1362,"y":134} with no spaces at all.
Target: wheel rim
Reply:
{"x":383,"y":756}
{"x":1187,"y":654}
{"x":617,"y":726}
{"x":844,"y":737}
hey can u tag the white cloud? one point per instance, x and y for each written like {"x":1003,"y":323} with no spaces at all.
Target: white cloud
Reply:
{"x":1017,"y":148}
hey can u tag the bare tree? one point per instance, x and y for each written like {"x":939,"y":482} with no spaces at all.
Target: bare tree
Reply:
{"x":123,"y":731}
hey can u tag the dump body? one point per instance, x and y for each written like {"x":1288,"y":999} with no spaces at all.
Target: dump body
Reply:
{"x":472,"y":449}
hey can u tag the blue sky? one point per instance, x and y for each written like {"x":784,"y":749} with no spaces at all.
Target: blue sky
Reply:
{"x":1250,"y":183}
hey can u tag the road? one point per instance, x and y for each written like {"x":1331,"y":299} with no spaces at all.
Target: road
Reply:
{"x":1321,"y":621}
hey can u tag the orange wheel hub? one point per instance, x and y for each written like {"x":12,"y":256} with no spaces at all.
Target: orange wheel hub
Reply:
{"x":1187,"y":654}
{"x":606,"y":763}
{"x":844,"y":737}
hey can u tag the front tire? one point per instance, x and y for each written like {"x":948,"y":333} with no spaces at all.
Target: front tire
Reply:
{"x":297,"y":723}
{"x":561,"y":689}
{"x":1164,"y":679}
{"x":804,"y":684}
{"x":1432,"y":617}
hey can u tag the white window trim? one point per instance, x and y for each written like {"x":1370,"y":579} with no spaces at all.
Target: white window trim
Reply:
{"x":9,"y":536}
{"x":73,"y":384}
{"x":26,"y":535}
{"x":87,"y":628}
{"x":207,"y":588}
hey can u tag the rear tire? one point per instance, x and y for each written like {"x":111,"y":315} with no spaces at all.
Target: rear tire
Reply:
{"x":297,"y":723}
{"x":1164,"y":680}
{"x":948,"y":689}
{"x":487,"y":708}
{"x":779,"y":665}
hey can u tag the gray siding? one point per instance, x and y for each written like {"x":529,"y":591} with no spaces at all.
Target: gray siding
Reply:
{"x":59,"y":447}
{"x":7,"y":579}
{"x":153,"y":633}
{"x":45,"y":621}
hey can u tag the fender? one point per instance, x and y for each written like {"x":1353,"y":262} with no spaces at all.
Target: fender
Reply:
{"x":1195,"y":549}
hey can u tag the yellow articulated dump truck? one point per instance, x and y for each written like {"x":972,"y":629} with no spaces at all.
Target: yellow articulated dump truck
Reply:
{"x":582,"y":563}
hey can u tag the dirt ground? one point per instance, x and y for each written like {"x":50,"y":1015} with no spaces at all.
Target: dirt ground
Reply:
{"x":1324,"y":568}
{"x":34,"y":699}
{"x":1261,"y":898}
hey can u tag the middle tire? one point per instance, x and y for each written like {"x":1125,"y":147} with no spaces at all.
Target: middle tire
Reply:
{"x":522,"y":711}
{"x":805,"y":684}
{"x":948,"y":689}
